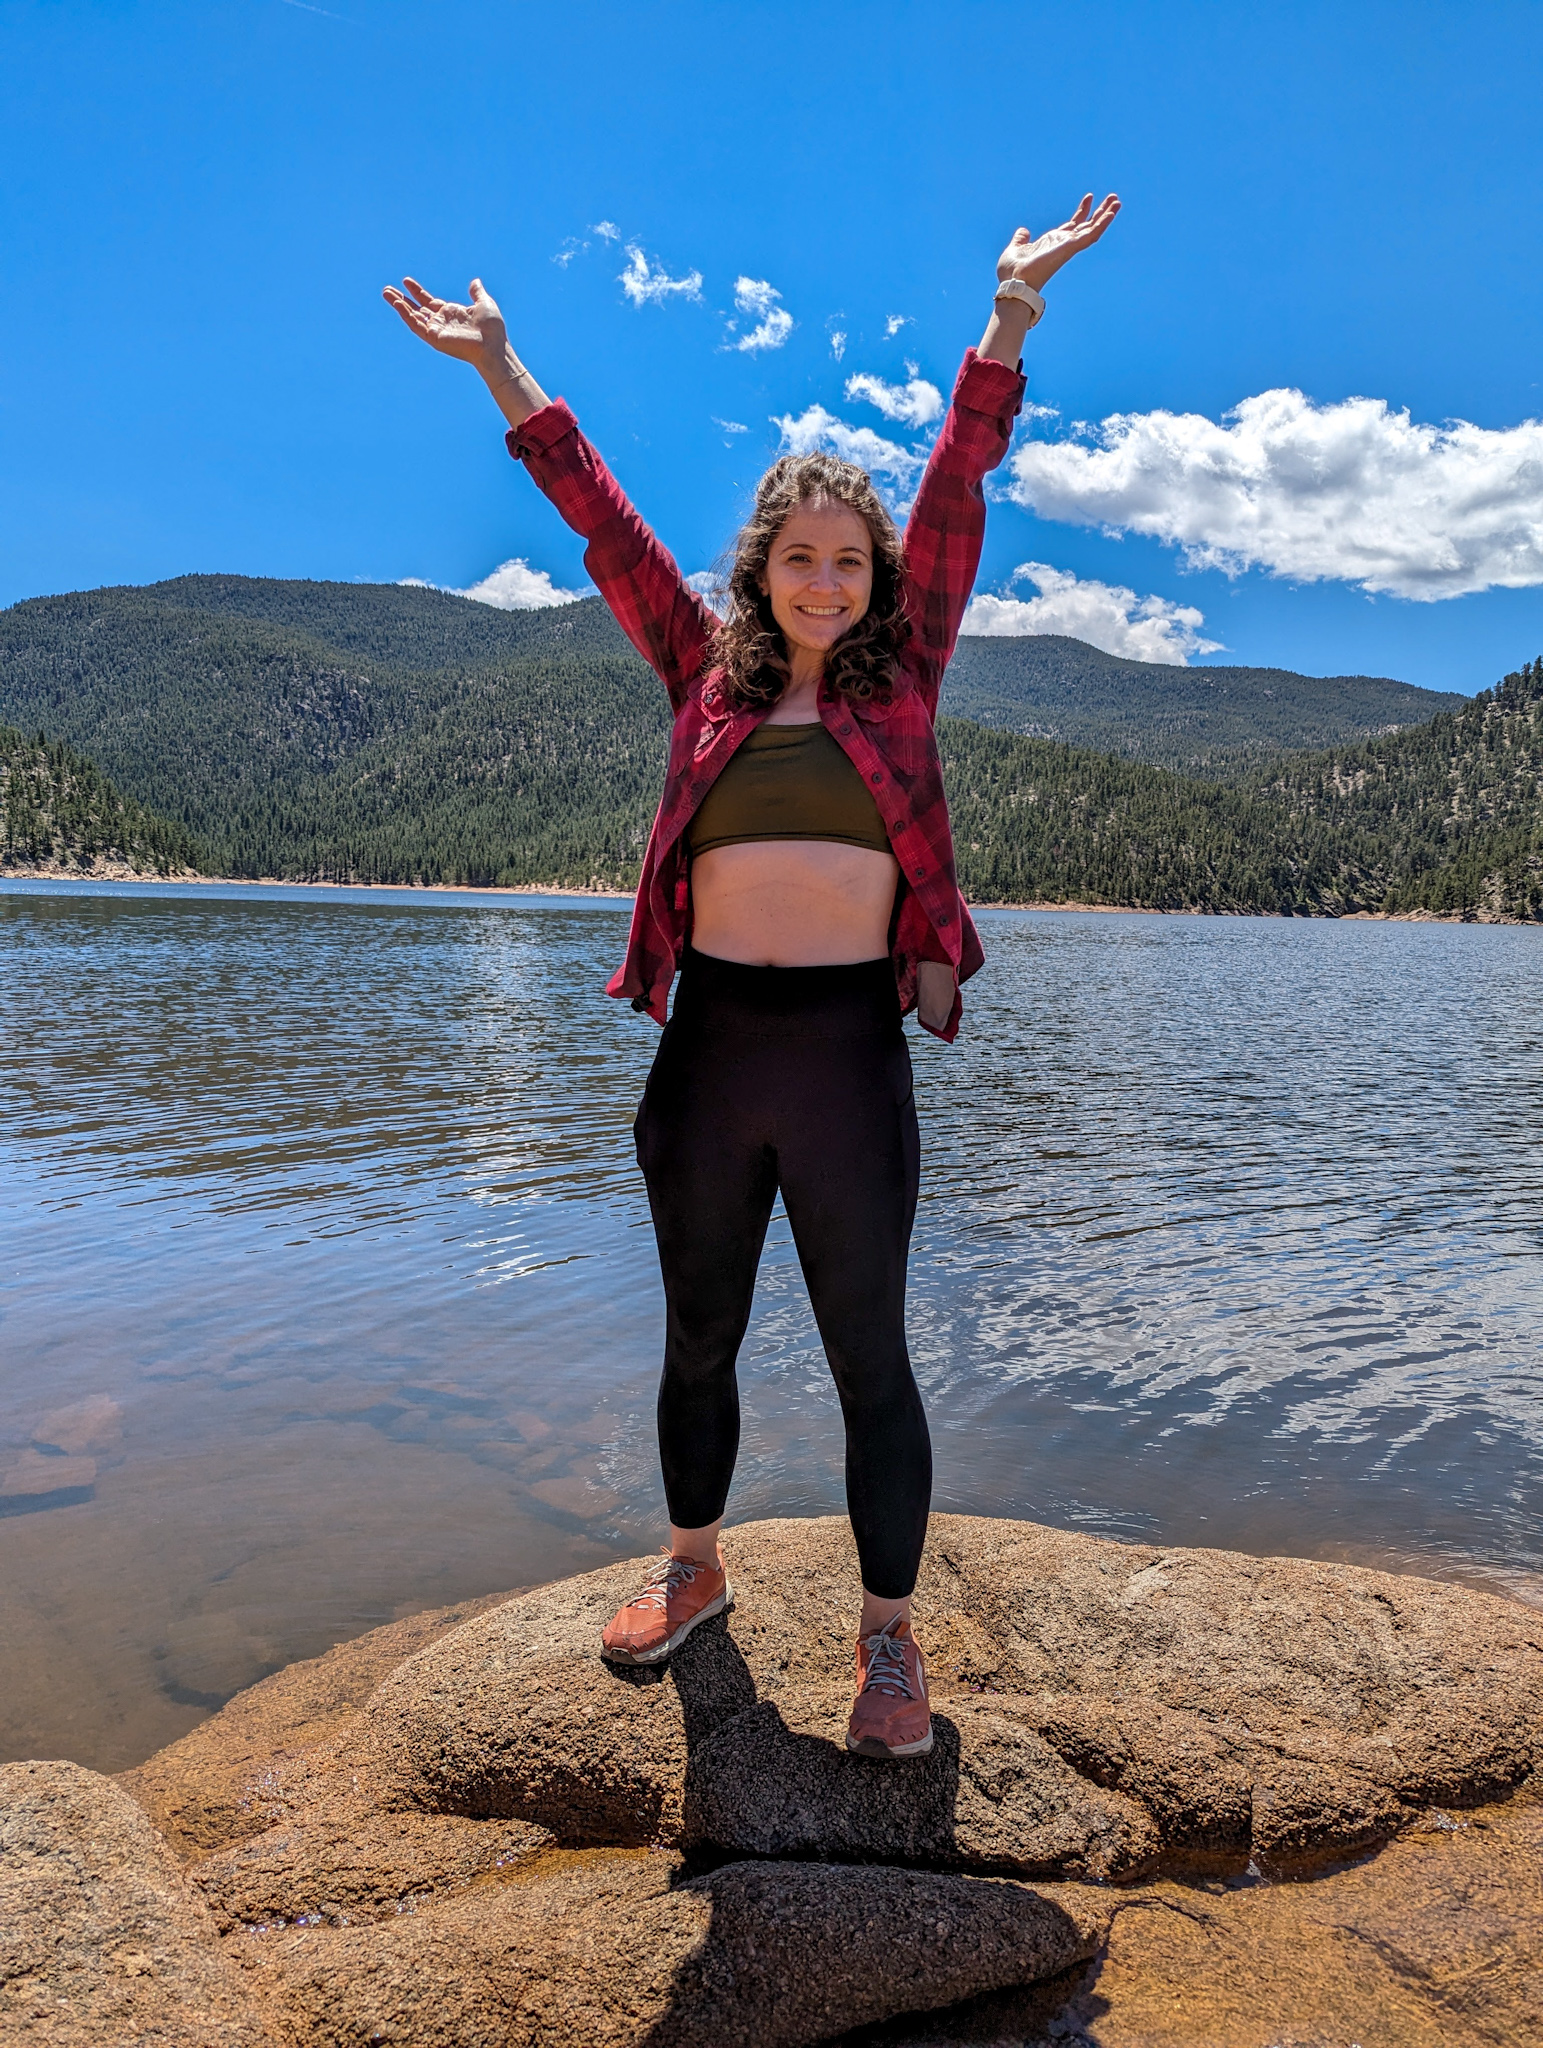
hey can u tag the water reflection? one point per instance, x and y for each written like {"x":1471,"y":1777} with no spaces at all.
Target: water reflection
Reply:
{"x":1230,"y":1233}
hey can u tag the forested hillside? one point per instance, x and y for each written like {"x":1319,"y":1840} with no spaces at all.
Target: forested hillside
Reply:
{"x":368,"y":753}
{"x":1211,"y":721}
{"x":57,"y":811}
{"x":406,"y":624}
{"x":1038,"y":822}
{"x":1456,"y":805}
{"x":382,"y":733}
{"x":1447,"y":817}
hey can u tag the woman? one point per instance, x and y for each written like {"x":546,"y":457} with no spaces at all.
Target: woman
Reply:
{"x":800,"y":878}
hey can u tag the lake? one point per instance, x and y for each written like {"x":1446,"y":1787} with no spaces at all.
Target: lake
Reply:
{"x":328,"y":1291}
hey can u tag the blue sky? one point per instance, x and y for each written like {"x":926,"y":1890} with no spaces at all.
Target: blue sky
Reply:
{"x":200,"y":203}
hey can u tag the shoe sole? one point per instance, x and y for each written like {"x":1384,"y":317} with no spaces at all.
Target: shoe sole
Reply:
{"x":721,"y":1605}
{"x":870,"y":1745}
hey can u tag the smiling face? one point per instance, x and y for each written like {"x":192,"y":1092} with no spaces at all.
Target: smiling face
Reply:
{"x":819,"y":574}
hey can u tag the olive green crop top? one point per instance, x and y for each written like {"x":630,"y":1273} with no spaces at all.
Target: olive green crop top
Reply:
{"x":788,"y":782}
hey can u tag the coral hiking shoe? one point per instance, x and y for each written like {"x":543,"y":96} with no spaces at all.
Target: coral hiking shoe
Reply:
{"x":680,"y":1592}
{"x":890,"y":1716}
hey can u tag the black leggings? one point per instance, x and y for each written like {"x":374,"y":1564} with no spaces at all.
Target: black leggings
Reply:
{"x":795,"y":1078}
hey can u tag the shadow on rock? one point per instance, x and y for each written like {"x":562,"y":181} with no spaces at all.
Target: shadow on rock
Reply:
{"x":794,"y":1953}
{"x":756,"y":1787}
{"x":993,"y":1796}
{"x":610,"y":1949}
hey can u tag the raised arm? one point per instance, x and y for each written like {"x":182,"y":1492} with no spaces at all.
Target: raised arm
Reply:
{"x":1033,"y":260}
{"x":661,"y":615}
{"x":947,"y":525}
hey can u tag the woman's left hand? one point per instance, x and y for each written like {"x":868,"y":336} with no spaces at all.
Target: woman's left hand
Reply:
{"x":1036,"y":258}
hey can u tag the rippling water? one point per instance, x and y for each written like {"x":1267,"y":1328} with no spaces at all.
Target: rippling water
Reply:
{"x":328,"y":1291}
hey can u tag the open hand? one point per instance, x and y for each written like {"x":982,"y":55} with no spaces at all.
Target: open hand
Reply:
{"x":474,"y":333}
{"x":1037,"y":258}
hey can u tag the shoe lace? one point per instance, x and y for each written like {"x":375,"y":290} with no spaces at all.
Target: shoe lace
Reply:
{"x":887,"y":1671}
{"x":667,"y":1577}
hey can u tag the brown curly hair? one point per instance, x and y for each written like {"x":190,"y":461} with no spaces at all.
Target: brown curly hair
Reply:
{"x":749,"y":646}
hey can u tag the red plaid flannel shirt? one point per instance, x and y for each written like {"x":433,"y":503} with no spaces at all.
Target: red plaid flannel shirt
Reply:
{"x":890,"y":739}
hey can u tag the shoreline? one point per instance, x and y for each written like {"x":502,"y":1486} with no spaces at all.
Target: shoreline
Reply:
{"x":120,"y":871}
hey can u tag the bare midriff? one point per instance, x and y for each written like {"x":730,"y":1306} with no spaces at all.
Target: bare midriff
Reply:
{"x":793,"y":903}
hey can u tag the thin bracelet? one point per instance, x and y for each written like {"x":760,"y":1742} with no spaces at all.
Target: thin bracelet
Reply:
{"x":1025,"y":294}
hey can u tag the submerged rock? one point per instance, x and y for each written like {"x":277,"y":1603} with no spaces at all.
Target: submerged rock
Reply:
{"x":468,"y":1828}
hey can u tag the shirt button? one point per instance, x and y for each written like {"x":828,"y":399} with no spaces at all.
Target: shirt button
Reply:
{"x":844,"y":729}
{"x":920,"y":872}
{"x":947,"y":917}
{"x":875,"y":777}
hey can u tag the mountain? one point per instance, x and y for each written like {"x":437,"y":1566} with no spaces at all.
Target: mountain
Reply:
{"x":384,"y":733}
{"x":1035,"y":821}
{"x":388,"y":733}
{"x":1455,"y":806}
{"x":59,"y":812}
{"x":1201,"y":720}
{"x":1446,"y":817}
{"x":407,"y":624}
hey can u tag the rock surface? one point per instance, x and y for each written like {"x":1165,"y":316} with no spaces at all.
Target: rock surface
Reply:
{"x":1437,"y":1942}
{"x":102,"y":1939}
{"x":1102,"y":1710}
{"x":467,"y":1828}
{"x":611,"y":1949}
{"x":213,"y":1786}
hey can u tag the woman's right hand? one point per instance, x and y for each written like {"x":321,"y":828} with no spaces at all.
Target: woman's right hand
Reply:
{"x":475,"y":333}
{"x":1035,"y":259}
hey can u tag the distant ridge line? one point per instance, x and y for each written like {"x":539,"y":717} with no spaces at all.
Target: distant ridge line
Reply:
{"x":1198,"y":719}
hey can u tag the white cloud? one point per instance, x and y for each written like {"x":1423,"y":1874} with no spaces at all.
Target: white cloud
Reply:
{"x":568,"y":251}
{"x":646,"y":283}
{"x":712,"y":588}
{"x":1353,"y":491}
{"x":607,"y":230}
{"x":916,"y":404}
{"x":513,"y":587}
{"x":838,"y":342}
{"x":729,"y":426}
{"x":757,"y":300}
{"x":894,"y":323}
{"x":1106,"y":615}
{"x":817,"y":428}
